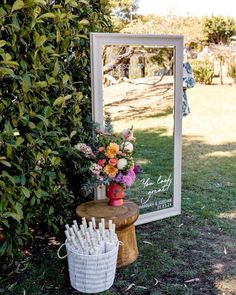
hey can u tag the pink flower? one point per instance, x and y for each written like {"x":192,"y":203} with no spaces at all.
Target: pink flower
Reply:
{"x":101,"y":149}
{"x":113,"y":161}
{"x":101,"y":162}
{"x":127,"y":134}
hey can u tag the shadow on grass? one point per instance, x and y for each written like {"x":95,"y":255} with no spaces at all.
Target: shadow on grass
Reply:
{"x":193,"y":253}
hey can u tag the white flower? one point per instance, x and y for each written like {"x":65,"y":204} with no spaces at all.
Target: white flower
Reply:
{"x":122,"y":163}
{"x":127,"y":147}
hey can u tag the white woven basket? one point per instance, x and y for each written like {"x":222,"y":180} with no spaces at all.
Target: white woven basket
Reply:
{"x":91,"y":273}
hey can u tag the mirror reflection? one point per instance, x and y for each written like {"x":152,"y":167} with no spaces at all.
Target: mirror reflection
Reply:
{"x":138,"y":83}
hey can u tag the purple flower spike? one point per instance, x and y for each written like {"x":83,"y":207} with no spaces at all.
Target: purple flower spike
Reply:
{"x":137,"y":169}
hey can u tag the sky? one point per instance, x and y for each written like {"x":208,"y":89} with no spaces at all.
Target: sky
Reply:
{"x":188,"y":7}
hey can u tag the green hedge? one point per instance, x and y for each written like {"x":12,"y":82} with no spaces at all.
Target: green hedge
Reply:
{"x":44,"y":103}
{"x":232,"y":69}
{"x":203,"y":71}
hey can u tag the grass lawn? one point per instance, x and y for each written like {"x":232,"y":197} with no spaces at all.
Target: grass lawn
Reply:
{"x":194,"y":253}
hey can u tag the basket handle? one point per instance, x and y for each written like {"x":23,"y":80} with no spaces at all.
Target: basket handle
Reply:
{"x":58,"y":252}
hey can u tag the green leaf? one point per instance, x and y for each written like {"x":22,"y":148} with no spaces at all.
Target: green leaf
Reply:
{"x":18,"y":4}
{"x":39,"y":40}
{"x":51,"y":210}
{"x":26,"y":83}
{"x":19,"y":140}
{"x":19,"y":211}
{"x":47,"y":15}
{"x":51,"y":80}
{"x":2,"y":12}
{"x":64,"y":139}
{"x":32,"y":201}
{"x":30,"y":3}
{"x":65,"y":78}
{"x":84,"y":22}
{"x":5,"y":163}
{"x":9,"y":150}
{"x":3,"y":248}
{"x":25,"y":191}
{"x":2,"y":43}
{"x":47,"y":111}
{"x":56,"y":68}
{"x":73,"y":133}
{"x":61,"y":100}
{"x":41,"y":84}
{"x":12,"y":179}
{"x":31,"y":125}
{"x":6,"y":71}
{"x":15,"y":216}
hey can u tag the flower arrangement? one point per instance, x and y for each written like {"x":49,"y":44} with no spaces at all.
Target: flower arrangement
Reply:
{"x":112,"y":158}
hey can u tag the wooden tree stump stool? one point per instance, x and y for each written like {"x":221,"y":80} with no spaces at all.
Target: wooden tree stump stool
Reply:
{"x":123,"y":217}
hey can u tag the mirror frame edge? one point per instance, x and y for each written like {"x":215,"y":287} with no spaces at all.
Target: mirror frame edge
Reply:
{"x":97,"y":40}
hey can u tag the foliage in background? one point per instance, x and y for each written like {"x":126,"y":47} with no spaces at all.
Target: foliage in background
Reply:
{"x":44,"y":103}
{"x":190,"y":27}
{"x":203,"y":71}
{"x":123,"y":12}
{"x":218,"y":29}
{"x":232,"y":69}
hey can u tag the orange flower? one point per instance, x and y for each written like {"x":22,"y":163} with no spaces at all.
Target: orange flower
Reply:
{"x":113,"y":161}
{"x":101,"y":162}
{"x":110,"y":170}
{"x":112,"y":150}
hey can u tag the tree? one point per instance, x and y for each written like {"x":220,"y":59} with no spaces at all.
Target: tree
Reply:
{"x":122,"y":12}
{"x":44,"y":102}
{"x":124,"y":9}
{"x":218,"y":29}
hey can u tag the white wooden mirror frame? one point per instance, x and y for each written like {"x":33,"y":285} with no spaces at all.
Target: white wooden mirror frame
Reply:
{"x":97,"y":41}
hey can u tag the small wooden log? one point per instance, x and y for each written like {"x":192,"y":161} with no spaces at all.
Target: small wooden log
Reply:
{"x":123,"y":217}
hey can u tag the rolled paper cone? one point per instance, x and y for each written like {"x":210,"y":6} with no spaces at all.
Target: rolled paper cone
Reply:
{"x":102,"y":247}
{"x":106,"y":234}
{"x":70,"y":231}
{"x":87,"y":237}
{"x":111,"y":235}
{"x":68,"y":236}
{"x":98,"y":235}
{"x":90,"y":224}
{"x":78,"y":236}
{"x":114,"y":227}
{"x":84,"y":223}
{"x":82,"y":229}
{"x":74,"y":242}
{"x":110,"y":224}
{"x":102,"y":231}
{"x":93,"y":222}
{"x":76,"y":224}
{"x":100,"y":228}
{"x":94,"y":243}
{"x":74,"y":229}
{"x":91,"y":232}
{"x":103,"y":222}
{"x":67,"y":227}
{"x":80,"y":240}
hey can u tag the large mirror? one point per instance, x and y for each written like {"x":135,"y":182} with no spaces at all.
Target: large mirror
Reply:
{"x":137,"y":81}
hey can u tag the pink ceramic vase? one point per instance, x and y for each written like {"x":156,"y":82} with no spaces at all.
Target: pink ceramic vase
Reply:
{"x":115,"y":193}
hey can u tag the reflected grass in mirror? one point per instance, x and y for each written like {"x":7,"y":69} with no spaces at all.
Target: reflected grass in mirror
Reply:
{"x":138,"y":92}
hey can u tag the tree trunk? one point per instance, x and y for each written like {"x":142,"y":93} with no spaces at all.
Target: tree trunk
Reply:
{"x":121,"y":59}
